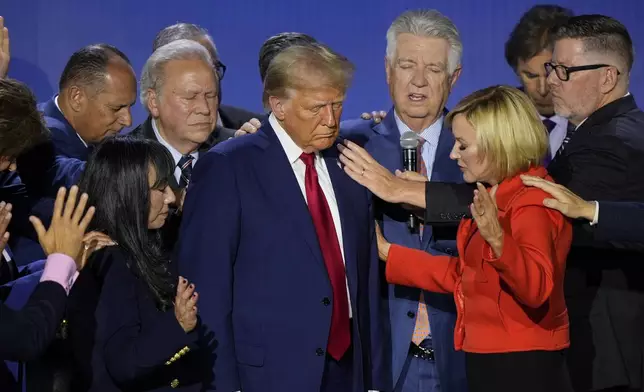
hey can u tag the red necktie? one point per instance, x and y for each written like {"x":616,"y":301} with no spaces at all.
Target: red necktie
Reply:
{"x":339,"y":336}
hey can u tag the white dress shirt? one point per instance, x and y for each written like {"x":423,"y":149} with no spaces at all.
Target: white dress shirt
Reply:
{"x":176,"y":155}
{"x":293,"y":152}
{"x":61,"y":112}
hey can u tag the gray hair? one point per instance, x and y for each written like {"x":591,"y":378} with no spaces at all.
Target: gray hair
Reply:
{"x":189,"y":31}
{"x":427,"y":23}
{"x":153,"y":74}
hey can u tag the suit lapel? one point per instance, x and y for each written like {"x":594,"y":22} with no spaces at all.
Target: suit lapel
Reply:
{"x":342,"y":185}
{"x":276,"y":176}
{"x":442,"y":161}
{"x":443,"y":170}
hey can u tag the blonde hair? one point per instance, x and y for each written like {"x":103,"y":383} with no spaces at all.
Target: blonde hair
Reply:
{"x":509,"y":131}
{"x":292,"y":68}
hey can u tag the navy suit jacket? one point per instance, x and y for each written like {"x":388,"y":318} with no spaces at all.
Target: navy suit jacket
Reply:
{"x":43,"y":170}
{"x":119,"y":339}
{"x":620,"y":221}
{"x":248,"y":243}
{"x":56,"y":162}
{"x":23,"y":240}
{"x":382,"y":141}
{"x":66,"y":141}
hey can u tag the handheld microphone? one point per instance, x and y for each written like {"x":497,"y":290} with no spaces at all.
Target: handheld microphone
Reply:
{"x":409,"y":143}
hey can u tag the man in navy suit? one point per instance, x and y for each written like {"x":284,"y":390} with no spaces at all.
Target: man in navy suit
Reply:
{"x":96,"y":91}
{"x":422,"y":65}
{"x":281,"y":244}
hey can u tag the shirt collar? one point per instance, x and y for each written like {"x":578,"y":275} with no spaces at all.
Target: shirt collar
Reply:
{"x":292,"y":150}
{"x":58,"y":107}
{"x":556,"y":119}
{"x":176,"y":155}
{"x":431,"y":134}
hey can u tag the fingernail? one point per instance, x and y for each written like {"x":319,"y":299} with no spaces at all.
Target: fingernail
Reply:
{"x":192,"y":286}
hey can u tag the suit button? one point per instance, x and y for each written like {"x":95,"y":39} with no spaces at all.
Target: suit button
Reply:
{"x":174,"y":383}
{"x":411,"y":314}
{"x":319,"y":352}
{"x":326,"y":301}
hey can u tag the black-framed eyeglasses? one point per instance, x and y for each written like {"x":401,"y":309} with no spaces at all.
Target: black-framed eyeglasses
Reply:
{"x":563,"y":72}
{"x":221,"y":69}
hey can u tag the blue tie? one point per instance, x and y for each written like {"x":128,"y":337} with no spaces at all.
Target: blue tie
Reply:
{"x":569,"y":132}
{"x":550,"y":125}
{"x":185,"y":164}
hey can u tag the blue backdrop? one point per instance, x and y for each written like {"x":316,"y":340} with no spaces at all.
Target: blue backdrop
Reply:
{"x":44,"y":33}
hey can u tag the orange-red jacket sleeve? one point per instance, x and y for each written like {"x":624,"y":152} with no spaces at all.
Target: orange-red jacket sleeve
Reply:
{"x":416,"y":268}
{"x":529,"y":252}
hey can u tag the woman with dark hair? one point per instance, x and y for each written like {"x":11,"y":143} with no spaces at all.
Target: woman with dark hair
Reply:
{"x":130,"y":324}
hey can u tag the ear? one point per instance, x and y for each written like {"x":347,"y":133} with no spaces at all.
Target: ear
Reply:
{"x":152,"y":103}
{"x":455,"y":76}
{"x":388,"y":69}
{"x":610,"y":80}
{"x":278,"y":107}
{"x":76,"y":98}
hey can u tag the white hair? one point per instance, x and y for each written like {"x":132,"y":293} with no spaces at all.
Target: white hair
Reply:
{"x":426,"y":23}
{"x":153,"y":74}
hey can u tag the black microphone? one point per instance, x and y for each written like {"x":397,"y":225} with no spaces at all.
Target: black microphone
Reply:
{"x":409,"y":143}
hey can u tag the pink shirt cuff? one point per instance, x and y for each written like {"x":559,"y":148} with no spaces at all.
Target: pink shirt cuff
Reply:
{"x":61,"y":269}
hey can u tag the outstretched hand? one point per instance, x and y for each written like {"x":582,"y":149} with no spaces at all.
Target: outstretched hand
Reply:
{"x":68,"y":226}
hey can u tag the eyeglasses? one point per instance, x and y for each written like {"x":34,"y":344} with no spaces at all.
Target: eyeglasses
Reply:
{"x":563,"y":72}
{"x":221,"y":69}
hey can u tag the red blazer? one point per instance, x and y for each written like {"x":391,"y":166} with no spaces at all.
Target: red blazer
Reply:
{"x":512,"y":303}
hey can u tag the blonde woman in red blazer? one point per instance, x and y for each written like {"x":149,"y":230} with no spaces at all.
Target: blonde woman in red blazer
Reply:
{"x":508,"y":278}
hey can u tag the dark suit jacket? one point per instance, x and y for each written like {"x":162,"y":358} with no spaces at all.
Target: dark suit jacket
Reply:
{"x":43,"y":169}
{"x":234,"y":117}
{"x":603,"y":161}
{"x":24,"y":334}
{"x":382,"y":141}
{"x":119,"y":339}
{"x":254,"y":255}
{"x":66,"y":141}
{"x":620,"y":221}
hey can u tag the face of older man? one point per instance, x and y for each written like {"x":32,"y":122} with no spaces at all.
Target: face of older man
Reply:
{"x":311,"y":115}
{"x":581,"y":95}
{"x":419,"y":80}
{"x":186,"y":110}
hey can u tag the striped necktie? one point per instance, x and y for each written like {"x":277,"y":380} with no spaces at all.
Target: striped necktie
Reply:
{"x":185,"y":164}
{"x":570,"y":130}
